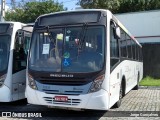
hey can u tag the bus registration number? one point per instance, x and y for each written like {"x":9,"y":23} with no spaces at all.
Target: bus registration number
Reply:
{"x":61,"y":98}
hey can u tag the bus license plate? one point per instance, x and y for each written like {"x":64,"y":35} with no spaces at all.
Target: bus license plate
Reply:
{"x":61,"y":98}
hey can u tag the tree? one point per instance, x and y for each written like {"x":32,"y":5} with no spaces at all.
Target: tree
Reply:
{"x":100,"y":4}
{"x":29,"y":11}
{"x":121,"y":6}
{"x":138,"y":5}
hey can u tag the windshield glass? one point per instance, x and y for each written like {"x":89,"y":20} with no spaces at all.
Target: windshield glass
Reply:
{"x":71,"y":49}
{"x":4,"y":51}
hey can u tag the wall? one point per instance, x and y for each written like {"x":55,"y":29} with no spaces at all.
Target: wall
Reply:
{"x":151,"y":60}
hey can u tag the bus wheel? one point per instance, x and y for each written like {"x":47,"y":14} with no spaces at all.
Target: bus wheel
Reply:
{"x":118,"y":103}
{"x":137,"y":86}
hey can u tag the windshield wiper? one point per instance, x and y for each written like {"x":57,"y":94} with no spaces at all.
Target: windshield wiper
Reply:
{"x":50,"y":36}
{"x":83,"y":35}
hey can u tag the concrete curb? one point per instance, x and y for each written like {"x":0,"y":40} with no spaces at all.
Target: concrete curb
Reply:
{"x":150,"y":87}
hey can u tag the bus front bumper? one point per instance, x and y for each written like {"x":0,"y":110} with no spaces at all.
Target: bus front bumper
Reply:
{"x":97,"y":100}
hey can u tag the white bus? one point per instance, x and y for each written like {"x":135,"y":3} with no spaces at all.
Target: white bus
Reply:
{"x":83,"y":59}
{"x":14,"y":43}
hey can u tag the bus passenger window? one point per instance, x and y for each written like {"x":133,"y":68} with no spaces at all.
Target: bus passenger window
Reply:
{"x":137,"y":52}
{"x":140,"y":54}
{"x":114,"y":48}
{"x":129,"y":47}
{"x":133,"y":50}
{"x":123,"y":44}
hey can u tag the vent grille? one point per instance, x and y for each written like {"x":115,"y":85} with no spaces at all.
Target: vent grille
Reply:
{"x":64,"y":93}
{"x":64,"y":81}
{"x":71,"y":102}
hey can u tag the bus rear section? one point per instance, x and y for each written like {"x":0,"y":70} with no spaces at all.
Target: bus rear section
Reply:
{"x":69,"y":61}
{"x":13,"y":56}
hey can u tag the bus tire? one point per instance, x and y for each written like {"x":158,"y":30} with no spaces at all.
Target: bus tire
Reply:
{"x":118,"y":103}
{"x":137,"y":86}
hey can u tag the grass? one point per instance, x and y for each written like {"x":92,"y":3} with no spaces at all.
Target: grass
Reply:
{"x":149,"y":81}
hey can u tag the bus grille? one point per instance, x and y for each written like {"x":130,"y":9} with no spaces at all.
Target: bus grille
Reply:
{"x":64,"y":93}
{"x":64,"y":81}
{"x":73,"y":102}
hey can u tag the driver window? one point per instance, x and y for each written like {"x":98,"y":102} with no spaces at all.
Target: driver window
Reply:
{"x":114,"y":47}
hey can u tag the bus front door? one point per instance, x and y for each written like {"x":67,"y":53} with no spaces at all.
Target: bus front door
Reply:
{"x":19,"y":64}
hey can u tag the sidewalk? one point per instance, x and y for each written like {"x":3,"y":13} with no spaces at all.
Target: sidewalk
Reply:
{"x":141,"y":100}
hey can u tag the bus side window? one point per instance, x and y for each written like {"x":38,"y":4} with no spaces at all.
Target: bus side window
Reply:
{"x":129,"y":47}
{"x":137,"y":52}
{"x":140,"y":54}
{"x":133,"y":50}
{"x":114,"y":48}
{"x":123,"y":44}
{"x":27,"y":39}
{"x":19,"y":55}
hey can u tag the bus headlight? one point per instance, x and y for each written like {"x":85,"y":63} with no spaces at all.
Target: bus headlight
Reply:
{"x":31,"y":83}
{"x":2,"y":78}
{"x":96,"y":85}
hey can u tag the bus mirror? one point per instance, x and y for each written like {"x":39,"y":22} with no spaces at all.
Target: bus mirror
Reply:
{"x":117,"y":32}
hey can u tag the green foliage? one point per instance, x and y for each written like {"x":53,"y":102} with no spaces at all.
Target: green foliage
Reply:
{"x":122,"y":6}
{"x":149,"y":81}
{"x":28,"y":12}
{"x":101,"y":4}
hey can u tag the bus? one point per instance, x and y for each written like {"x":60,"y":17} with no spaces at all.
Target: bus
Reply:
{"x":82,"y":59}
{"x":14,"y":44}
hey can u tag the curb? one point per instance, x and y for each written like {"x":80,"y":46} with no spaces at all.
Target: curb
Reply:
{"x":150,"y":87}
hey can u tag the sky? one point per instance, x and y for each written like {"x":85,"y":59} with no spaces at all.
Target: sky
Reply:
{"x":70,"y":4}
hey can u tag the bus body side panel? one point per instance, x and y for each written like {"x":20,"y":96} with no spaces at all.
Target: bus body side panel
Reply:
{"x":123,"y":68}
{"x":130,"y":74}
{"x":128,"y":69}
{"x":115,"y":82}
{"x":19,"y":84}
{"x":5,"y":94}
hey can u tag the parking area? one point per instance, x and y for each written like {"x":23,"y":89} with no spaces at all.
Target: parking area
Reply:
{"x":141,"y":100}
{"x":141,"y":104}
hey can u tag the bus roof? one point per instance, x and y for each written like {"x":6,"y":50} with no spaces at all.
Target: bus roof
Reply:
{"x":12,"y":22}
{"x":73,"y":11}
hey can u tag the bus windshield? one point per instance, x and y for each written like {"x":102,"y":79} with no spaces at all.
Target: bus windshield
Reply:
{"x":70,"y":49}
{"x":4,"y":51}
